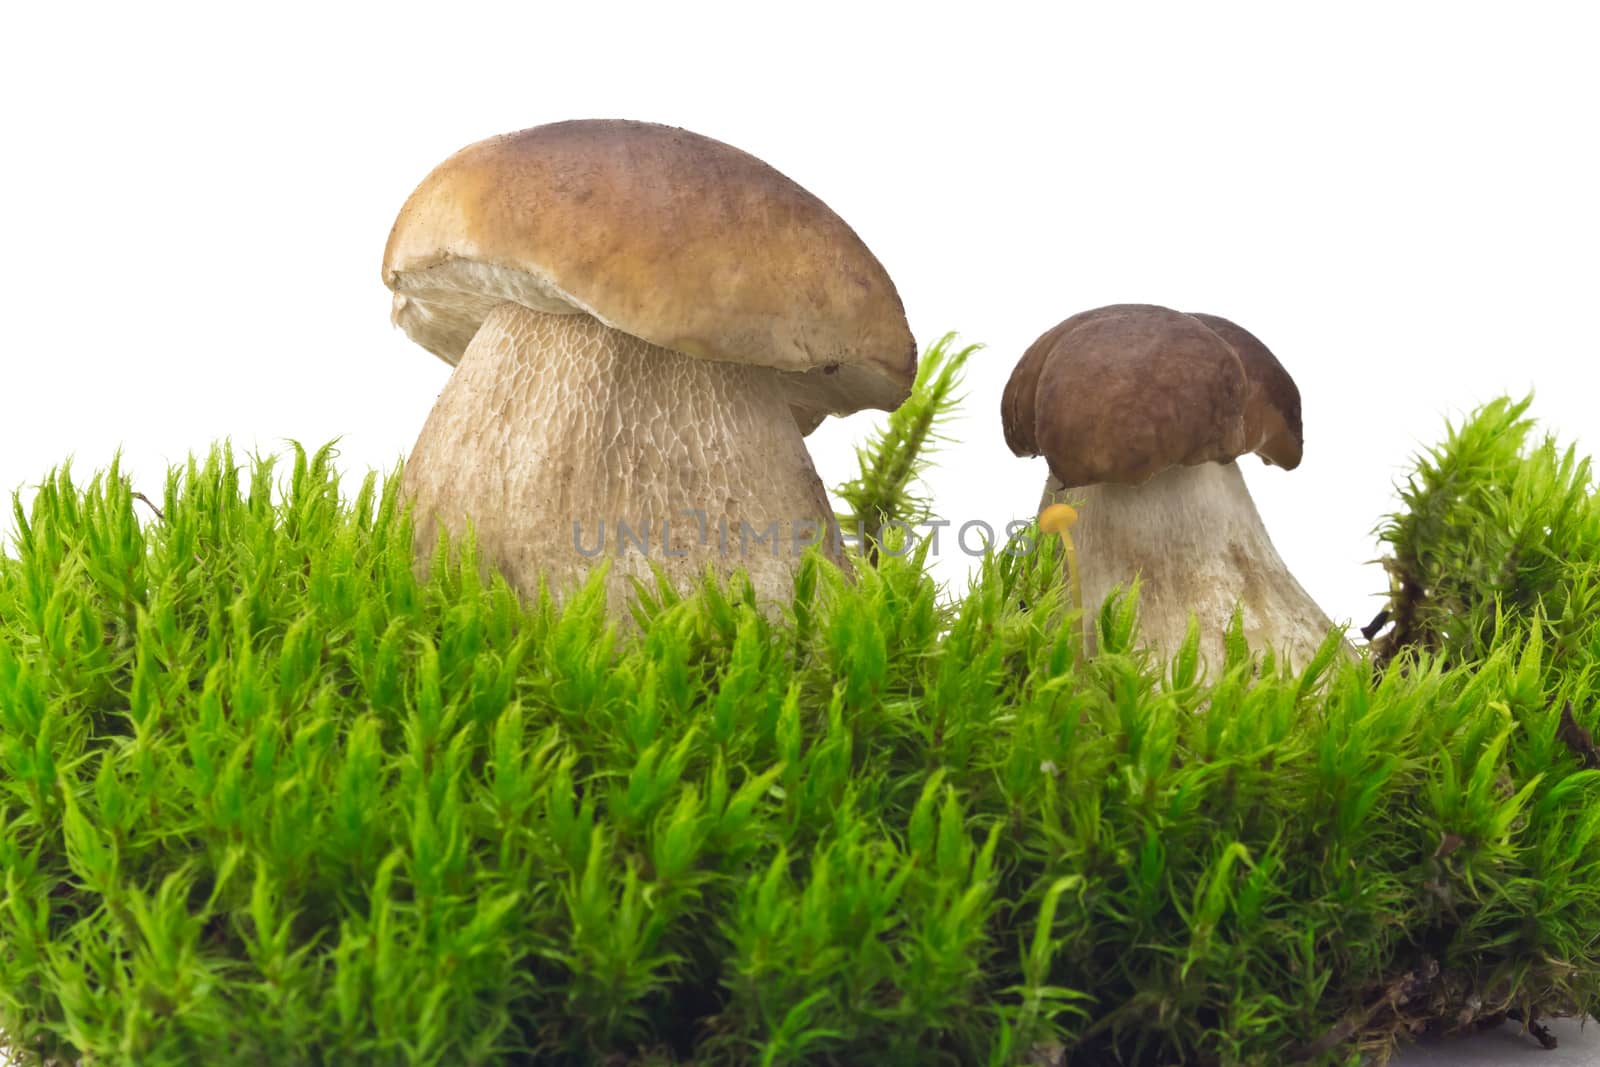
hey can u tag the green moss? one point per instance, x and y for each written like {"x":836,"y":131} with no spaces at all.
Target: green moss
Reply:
{"x":890,"y":464}
{"x":1498,"y":528}
{"x":267,"y":798}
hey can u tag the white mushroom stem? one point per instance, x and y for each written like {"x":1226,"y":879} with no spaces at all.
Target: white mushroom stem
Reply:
{"x":1193,"y":537}
{"x":567,"y":443}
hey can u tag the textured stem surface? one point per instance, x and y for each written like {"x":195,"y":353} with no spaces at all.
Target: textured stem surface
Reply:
{"x":568,"y":443}
{"x":1197,"y":543}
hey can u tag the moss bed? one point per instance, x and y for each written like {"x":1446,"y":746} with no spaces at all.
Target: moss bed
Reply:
{"x":266,"y":797}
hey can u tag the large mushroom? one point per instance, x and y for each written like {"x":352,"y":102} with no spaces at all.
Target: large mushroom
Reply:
{"x":1140,"y":412}
{"x":644,"y":324}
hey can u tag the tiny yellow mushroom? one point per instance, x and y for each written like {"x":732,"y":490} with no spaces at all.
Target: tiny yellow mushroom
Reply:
{"x":1058,"y":519}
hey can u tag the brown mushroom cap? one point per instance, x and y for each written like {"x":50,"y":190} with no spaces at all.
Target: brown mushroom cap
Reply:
{"x":1272,"y":414}
{"x":675,"y":238}
{"x":1121,"y":393}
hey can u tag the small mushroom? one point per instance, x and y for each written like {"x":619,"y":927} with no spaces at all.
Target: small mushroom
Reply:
{"x":644,"y":324}
{"x":1059,"y":519}
{"x":1140,"y":412}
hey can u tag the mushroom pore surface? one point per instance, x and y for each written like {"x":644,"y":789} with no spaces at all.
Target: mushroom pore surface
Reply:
{"x":565,"y":443}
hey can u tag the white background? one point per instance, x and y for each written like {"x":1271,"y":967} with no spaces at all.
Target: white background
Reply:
{"x":1399,"y":200}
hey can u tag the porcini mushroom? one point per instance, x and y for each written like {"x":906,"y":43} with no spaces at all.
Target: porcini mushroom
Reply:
{"x":1140,"y":412}
{"x":644,"y":324}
